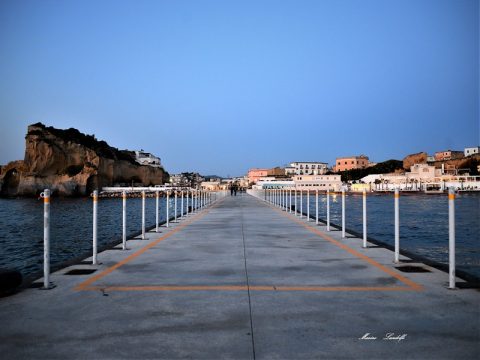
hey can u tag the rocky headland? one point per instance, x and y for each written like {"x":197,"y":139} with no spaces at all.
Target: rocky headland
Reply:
{"x":72,"y":164}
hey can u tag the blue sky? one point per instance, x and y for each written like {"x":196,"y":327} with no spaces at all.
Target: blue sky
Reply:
{"x":221,"y":86}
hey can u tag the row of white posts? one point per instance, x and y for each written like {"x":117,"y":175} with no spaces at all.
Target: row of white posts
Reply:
{"x":197,"y":199}
{"x":285,"y":198}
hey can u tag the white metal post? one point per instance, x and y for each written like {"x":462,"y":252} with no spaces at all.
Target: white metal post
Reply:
{"x":451,"y":238}
{"x":168,"y":209}
{"x":46,"y":239}
{"x":95,"y":226}
{"x":308,"y":205}
{"x":296,"y":202}
{"x":156,"y":211}
{"x":364,"y":195}
{"x":175,"y":206}
{"x":328,"y":210}
{"x":290,"y":202}
{"x":316,"y":207}
{"x":181,"y":204}
{"x":397,"y":226}
{"x":124,"y":220}
{"x":143,"y":215}
{"x":301,"y":203}
{"x":343,"y":213}
{"x":186,"y":199}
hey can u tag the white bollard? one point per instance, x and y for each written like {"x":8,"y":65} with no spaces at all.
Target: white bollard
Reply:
{"x":143,"y":215}
{"x":46,"y":238}
{"x":343,"y":213}
{"x":308,"y":205}
{"x":156,"y":211}
{"x":397,"y":226}
{"x":95,"y":226}
{"x":181,"y":205}
{"x":301,"y":204}
{"x":124,"y":220}
{"x":316,"y":207}
{"x":290,"y":202}
{"x":175,"y":207}
{"x":168,"y":210}
{"x":328,"y":210}
{"x":296,"y":209}
{"x":451,"y":238}
{"x":364,"y":218}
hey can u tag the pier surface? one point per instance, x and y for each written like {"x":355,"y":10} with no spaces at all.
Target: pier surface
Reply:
{"x":243,"y":280}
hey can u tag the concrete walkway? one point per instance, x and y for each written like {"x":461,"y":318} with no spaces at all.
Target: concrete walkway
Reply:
{"x":243,"y":280}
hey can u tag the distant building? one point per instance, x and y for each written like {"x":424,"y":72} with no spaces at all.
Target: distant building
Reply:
{"x":307,"y":168}
{"x":255,"y":174}
{"x":351,"y":162}
{"x":448,"y":155}
{"x":318,"y":182}
{"x":469,"y":151}
{"x":276,"y":171}
{"x":187,"y":179}
{"x":289,"y":170}
{"x":430,"y":159}
{"x":145,"y":158}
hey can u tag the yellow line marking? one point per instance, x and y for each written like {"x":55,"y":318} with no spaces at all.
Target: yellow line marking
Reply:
{"x":86,"y":283}
{"x":413,"y":285}
{"x":245,"y":288}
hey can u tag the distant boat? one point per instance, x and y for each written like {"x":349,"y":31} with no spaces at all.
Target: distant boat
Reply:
{"x":433,"y":189}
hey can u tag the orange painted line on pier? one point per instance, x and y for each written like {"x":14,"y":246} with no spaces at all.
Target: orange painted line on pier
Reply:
{"x":312,"y":288}
{"x":89,"y":281}
{"x":411,"y":284}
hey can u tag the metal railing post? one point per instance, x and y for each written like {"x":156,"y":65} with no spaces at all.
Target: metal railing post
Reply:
{"x":301,"y":204}
{"x":343,"y":213}
{"x":296,"y":202}
{"x":167,"y":209}
{"x":397,"y":226}
{"x":290,"y":202}
{"x":316,"y":207}
{"x":124,"y":220}
{"x":328,"y":210}
{"x":156,"y":211}
{"x":46,"y":238}
{"x":95,"y":226}
{"x":308,"y":205}
{"x":451,"y":238}
{"x":186,"y":199}
{"x":143,"y":214}
{"x":364,"y":200}
{"x":175,"y":207}
{"x":181,"y":204}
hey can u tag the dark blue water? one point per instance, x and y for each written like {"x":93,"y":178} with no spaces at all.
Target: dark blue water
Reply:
{"x":21,"y":228}
{"x":423,"y":223}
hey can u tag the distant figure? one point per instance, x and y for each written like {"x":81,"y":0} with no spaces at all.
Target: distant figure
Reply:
{"x":232,"y":189}
{"x":235,"y":189}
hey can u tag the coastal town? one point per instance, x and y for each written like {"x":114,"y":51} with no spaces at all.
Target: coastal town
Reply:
{"x":416,"y":173}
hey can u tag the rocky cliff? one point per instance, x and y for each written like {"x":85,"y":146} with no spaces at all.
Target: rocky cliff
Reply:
{"x":72,"y":164}
{"x":410,"y":160}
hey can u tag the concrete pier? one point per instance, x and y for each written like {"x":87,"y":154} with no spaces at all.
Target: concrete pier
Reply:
{"x":243,"y":280}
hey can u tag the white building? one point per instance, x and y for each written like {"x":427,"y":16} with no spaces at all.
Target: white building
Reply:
{"x":469,"y":151}
{"x":272,"y":183}
{"x":145,"y":158}
{"x":307,"y":168}
{"x":318,"y":182}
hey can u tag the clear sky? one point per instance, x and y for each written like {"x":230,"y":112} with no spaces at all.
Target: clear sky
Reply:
{"x":221,"y":86}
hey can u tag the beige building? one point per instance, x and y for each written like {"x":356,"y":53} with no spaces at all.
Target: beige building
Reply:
{"x":351,"y":162}
{"x":318,"y":182}
{"x":306,"y":168}
{"x":448,"y":155}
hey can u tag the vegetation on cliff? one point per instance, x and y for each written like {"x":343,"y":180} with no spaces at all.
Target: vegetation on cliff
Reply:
{"x":89,"y":141}
{"x":388,"y":166}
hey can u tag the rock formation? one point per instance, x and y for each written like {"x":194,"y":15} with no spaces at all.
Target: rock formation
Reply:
{"x":72,"y":164}
{"x":410,"y":160}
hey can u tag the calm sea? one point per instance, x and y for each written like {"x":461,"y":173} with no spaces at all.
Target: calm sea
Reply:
{"x":423,"y":229}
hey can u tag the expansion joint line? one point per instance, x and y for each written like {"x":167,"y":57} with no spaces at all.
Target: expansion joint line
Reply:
{"x":248,"y":282}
